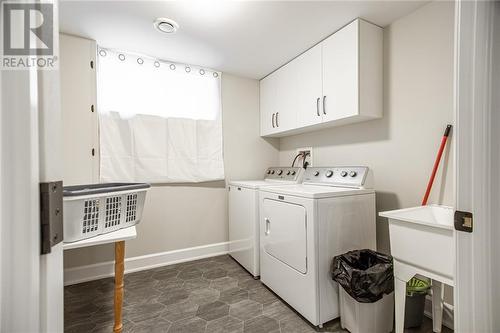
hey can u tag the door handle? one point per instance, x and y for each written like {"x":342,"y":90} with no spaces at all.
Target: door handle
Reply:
{"x":324,"y":104}
{"x":268,"y":227}
{"x":277,"y":124}
{"x":273,"y":120}
{"x":317,"y":106}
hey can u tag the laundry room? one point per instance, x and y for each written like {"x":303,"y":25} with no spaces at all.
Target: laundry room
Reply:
{"x":250,"y":166}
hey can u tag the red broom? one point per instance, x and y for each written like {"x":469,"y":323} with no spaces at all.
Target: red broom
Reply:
{"x":436,"y":164}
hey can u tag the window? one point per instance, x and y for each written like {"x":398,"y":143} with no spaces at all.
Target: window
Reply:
{"x":158,"y":121}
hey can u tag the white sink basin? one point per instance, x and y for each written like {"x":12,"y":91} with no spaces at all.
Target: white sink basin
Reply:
{"x":423,"y":237}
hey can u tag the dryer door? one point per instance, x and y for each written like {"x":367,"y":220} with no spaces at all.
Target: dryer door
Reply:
{"x":285,"y":233}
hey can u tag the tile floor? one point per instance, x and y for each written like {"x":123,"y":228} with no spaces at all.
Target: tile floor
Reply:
{"x":213,"y":295}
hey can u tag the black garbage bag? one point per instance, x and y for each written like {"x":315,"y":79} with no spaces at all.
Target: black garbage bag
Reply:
{"x":366,"y":275}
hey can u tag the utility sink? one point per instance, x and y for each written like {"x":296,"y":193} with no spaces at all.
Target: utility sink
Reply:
{"x":423,"y":237}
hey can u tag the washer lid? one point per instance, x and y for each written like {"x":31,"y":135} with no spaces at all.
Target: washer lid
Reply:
{"x":315,"y":191}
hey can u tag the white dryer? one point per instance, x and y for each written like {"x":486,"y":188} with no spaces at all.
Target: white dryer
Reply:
{"x":304,"y":226}
{"x":244,"y":214}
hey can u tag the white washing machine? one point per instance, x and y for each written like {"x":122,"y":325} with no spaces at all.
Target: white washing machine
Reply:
{"x":303,"y":226}
{"x":244,"y":214}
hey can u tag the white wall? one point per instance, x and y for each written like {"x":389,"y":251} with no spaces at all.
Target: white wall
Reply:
{"x":188,"y":215}
{"x":418,"y":103}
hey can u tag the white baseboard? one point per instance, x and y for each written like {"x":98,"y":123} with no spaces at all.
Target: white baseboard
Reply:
{"x":106,"y":269}
{"x":447,"y":312}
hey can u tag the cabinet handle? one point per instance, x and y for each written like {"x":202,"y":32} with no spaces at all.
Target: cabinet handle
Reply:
{"x":317,"y":106}
{"x":273,"y":120}
{"x":277,"y":125}
{"x":268,"y":225}
{"x":324,"y":104}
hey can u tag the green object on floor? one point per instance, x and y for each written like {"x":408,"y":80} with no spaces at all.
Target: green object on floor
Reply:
{"x":417,"y":286}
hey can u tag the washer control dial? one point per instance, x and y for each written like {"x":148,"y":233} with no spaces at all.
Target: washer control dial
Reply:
{"x":293,"y":173}
{"x":272,"y":172}
{"x":353,"y":173}
{"x":280,"y":172}
{"x":316,"y":173}
{"x":329,"y":173}
{"x":288,"y":173}
{"x":268,"y":172}
{"x":343,"y":173}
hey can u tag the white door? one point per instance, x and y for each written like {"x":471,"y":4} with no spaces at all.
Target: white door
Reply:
{"x":309,"y":104}
{"x":285,"y":233}
{"x":477,"y":82}
{"x":243,"y":226}
{"x":31,"y":288}
{"x":340,"y":73}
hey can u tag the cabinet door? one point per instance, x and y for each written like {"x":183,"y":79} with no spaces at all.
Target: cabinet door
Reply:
{"x":286,"y":102}
{"x":340,"y":73}
{"x":309,"y":92}
{"x":268,"y":97}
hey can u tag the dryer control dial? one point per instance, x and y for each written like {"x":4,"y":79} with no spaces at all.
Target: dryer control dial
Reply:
{"x":316,"y":173}
{"x":280,"y":172}
{"x":343,"y":173}
{"x":329,"y":173}
{"x":353,"y":173}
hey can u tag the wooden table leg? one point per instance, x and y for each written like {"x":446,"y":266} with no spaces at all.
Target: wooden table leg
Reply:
{"x":119,"y":269}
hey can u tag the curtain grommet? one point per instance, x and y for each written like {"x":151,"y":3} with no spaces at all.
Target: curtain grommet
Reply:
{"x":102,"y":53}
{"x":216,"y":74}
{"x":188,"y":69}
{"x":157,"y":64}
{"x":202,"y":71}
{"x":121,"y":56}
{"x":140,"y":61}
{"x":172,"y":66}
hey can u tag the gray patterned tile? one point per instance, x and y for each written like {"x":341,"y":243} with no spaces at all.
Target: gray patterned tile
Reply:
{"x":172,"y":296}
{"x":233,"y":295}
{"x":191,"y":325}
{"x":262,"y":295}
{"x":215,"y":274}
{"x":277,"y":310}
{"x":143,"y":312}
{"x":213,"y":310}
{"x":224,"y":283}
{"x":180,"y":311}
{"x":245,"y":309}
{"x":204,"y":296}
{"x":225,"y":324}
{"x":193,"y":284}
{"x":190,"y":273}
{"x":260,"y":324}
{"x":295,"y":324}
{"x":155,"y":325}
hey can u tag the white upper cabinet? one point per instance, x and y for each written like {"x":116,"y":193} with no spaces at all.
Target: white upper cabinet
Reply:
{"x":338,"y":81}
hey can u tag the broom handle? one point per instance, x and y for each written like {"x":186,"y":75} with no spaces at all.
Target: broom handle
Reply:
{"x":436,"y":164}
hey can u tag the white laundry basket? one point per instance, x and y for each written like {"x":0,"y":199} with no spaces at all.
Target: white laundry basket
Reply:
{"x":91,"y":210}
{"x":359,"y":317}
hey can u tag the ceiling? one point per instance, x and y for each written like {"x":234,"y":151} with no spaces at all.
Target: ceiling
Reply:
{"x":246,"y":38}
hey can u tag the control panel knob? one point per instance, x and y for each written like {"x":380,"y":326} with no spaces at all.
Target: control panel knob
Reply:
{"x":272,"y":172}
{"x":343,"y":173}
{"x":293,"y":173}
{"x":316,"y":173}
{"x":329,"y":173}
{"x":268,"y":172}
{"x":280,"y":172}
{"x":288,"y":173}
{"x":353,"y":173}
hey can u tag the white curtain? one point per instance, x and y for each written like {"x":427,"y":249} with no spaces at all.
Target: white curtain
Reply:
{"x":159,"y":122}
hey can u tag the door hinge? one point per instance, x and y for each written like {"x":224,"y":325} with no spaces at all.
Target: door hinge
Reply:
{"x":51,"y":214}
{"x":463,"y":221}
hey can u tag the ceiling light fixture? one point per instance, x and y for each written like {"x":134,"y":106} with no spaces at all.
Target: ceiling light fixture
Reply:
{"x":166,"y":25}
